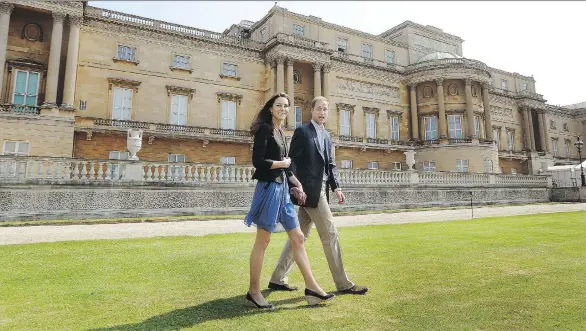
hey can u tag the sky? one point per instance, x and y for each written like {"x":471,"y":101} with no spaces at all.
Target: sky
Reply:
{"x":543,"y":39}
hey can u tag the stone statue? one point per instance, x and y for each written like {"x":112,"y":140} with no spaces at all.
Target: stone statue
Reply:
{"x":134,"y":143}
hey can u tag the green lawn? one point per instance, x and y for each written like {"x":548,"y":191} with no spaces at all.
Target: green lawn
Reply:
{"x":511,"y":273}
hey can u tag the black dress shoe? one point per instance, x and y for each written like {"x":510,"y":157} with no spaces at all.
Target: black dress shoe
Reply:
{"x":356,"y":289}
{"x":284,"y":287}
{"x":250,"y":301}
{"x":314,"y":298}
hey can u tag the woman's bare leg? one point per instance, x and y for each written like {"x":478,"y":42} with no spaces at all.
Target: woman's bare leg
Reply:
{"x":256,"y":258}
{"x":300,"y":256}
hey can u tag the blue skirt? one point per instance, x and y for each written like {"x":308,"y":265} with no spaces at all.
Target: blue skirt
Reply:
{"x":271,"y":208}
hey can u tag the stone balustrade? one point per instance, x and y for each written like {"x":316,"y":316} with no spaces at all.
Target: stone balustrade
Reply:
{"x":358,"y":59}
{"x":433,"y":64}
{"x":38,"y":170}
{"x":19,"y":109}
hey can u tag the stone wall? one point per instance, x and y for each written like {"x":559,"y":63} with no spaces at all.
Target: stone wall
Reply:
{"x":41,"y":202}
{"x":568,"y":194}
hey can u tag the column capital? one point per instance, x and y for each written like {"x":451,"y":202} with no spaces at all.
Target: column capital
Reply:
{"x":439,"y":81}
{"x":412,"y":87}
{"x":468,"y":81}
{"x":289,"y":61}
{"x":58,"y":16}
{"x":327,"y":67}
{"x":486,"y":86}
{"x":316,"y":66}
{"x":280,"y":59}
{"x":6,"y":8}
{"x":75,"y":19}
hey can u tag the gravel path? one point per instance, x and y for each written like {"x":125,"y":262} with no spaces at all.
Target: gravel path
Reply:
{"x":52,"y":233}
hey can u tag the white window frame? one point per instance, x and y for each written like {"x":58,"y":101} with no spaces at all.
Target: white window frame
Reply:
{"x":430,"y":134}
{"x":124,"y":112}
{"x":369,"y":48}
{"x":396,"y":165}
{"x":185,"y":64}
{"x":17,"y":144}
{"x":510,"y":140}
{"x":298,"y":117}
{"x":26,"y":94}
{"x":462,"y":165}
{"x":477,"y":126}
{"x":344,"y":44}
{"x":228,"y":122}
{"x":346,"y":164}
{"x":504,"y":84}
{"x":395,"y":127}
{"x":345,"y":128}
{"x":227,"y":70}
{"x":455,"y":131}
{"x":429,"y":166}
{"x":128,"y":53}
{"x":298,"y":29}
{"x":373,"y":165}
{"x":371,"y":125}
{"x":496,"y":135}
{"x":568,"y":151}
{"x":176,"y":158}
{"x":227,"y":160}
{"x":179,"y":107}
{"x":392,"y":56}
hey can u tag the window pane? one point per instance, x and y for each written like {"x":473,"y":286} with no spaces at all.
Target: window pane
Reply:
{"x":19,"y":99}
{"x":23,"y":147}
{"x":20,"y":84}
{"x":10,"y":147}
{"x":33,"y":81}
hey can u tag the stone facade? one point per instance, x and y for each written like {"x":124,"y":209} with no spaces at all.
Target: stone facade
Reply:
{"x":194,"y":92}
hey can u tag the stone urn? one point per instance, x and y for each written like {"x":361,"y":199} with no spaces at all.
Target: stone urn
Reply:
{"x":410,"y":159}
{"x":134,"y":143}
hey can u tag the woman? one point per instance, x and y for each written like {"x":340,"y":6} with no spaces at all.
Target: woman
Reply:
{"x":271,"y":205}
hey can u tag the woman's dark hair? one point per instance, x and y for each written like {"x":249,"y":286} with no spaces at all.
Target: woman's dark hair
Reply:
{"x":264,"y":115}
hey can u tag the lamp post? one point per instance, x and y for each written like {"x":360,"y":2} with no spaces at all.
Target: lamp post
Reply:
{"x":579,"y":145}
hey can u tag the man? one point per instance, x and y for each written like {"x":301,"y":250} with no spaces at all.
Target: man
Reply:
{"x":314,"y":166}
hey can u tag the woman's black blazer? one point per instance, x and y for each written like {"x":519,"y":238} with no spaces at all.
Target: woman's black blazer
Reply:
{"x":268,"y":148}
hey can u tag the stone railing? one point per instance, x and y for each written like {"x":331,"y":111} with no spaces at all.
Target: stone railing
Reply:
{"x":453,"y":141}
{"x":300,"y":41}
{"x":166,"y":27}
{"x":465,"y":63}
{"x":68,"y":171}
{"x":19,"y":109}
{"x":358,"y":59}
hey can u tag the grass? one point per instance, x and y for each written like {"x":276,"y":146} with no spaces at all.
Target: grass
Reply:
{"x":506,"y":273}
{"x":223,"y":216}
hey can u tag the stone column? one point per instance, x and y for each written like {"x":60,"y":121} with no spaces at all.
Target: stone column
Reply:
{"x":541,"y":124}
{"x":273,"y":77}
{"x":326,"y":81}
{"x":317,"y":79}
{"x":54,"y":59}
{"x":525,"y":112}
{"x":487,"y":115}
{"x":414,"y":115}
{"x":290,"y":92}
{"x":280,"y":74}
{"x":469,"y":108}
{"x":5,"y":11}
{"x":71,"y":65}
{"x":443,"y":125}
{"x":531,"y":129}
{"x":543,"y":131}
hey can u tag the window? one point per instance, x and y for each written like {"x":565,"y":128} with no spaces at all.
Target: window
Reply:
{"x":554,"y":145}
{"x":523,"y":86}
{"x":26,"y":87}
{"x":504,"y":84}
{"x":373,"y":165}
{"x":345,"y":123}
{"x":510,"y":140}
{"x":116,"y":171}
{"x":367,"y":51}
{"x":298,"y":117}
{"x":16,"y":148}
{"x":396,"y":165}
{"x":82,"y":104}
{"x":126,"y":53}
{"x":394,"y":127}
{"x":342,"y":45}
{"x":389,"y":56}
{"x":298,"y":29}
{"x":227,"y":160}
{"x":346,"y":164}
{"x":229,"y":69}
{"x":462,"y":165}
{"x":488,"y":166}
{"x":430,"y":125}
{"x":180,"y":61}
{"x":455,"y":126}
{"x":476,"y":127}
{"x":513,"y":171}
{"x":174,"y":158}
{"x":296,"y":77}
{"x":370,"y":125}
{"x":179,"y":109}
{"x":228,"y":114}
{"x":567,"y":142}
{"x":496,"y":134}
{"x":263,"y":31}
{"x":122,"y":103}
{"x":428,"y":165}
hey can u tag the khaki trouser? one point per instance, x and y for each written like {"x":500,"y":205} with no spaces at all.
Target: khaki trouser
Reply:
{"x":324,"y":223}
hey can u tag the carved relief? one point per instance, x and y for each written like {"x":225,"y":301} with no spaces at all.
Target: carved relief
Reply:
{"x":391,"y":113}
{"x":296,"y":77}
{"x":499,"y":112}
{"x":124,"y":83}
{"x":427,"y":91}
{"x":345,"y":106}
{"x":453,"y":89}
{"x":229,"y":96}
{"x":151,"y":139}
{"x":565,"y":126}
{"x":32,"y":32}
{"x":180,"y":90}
{"x":552,"y":125}
{"x":356,"y":70}
{"x":371,"y":110}
{"x":355,"y":87}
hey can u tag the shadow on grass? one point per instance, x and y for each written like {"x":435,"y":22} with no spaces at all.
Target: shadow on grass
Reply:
{"x":219,"y":309}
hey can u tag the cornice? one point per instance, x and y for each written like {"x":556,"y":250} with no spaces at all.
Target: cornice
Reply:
{"x":180,"y":90}
{"x":512,"y":74}
{"x":424,"y":28}
{"x":67,"y":7}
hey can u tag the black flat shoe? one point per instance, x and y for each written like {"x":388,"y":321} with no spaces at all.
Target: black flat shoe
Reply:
{"x":356,"y":289}
{"x":284,"y":287}
{"x":250,"y":301}
{"x":314,"y":298}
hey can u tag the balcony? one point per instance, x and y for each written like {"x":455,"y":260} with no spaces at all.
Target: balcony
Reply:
{"x":455,"y":141}
{"x":19,"y":109}
{"x":90,"y":124}
{"x":513,"y":155}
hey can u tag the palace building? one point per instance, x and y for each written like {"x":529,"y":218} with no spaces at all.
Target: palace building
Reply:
{"x":76,"y":78}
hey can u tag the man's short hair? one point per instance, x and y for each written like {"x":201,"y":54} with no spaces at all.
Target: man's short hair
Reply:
{"x":316,"y":99}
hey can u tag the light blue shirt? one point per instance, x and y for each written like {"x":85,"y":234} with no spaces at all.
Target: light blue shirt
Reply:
{"x":321,"y":138}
